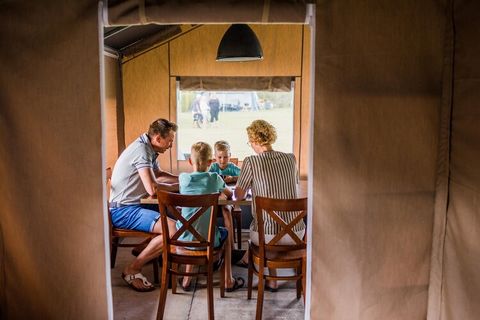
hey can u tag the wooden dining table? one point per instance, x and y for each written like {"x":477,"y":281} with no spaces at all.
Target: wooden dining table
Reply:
{"x":302,"y":193}
{"x":222,"y":202}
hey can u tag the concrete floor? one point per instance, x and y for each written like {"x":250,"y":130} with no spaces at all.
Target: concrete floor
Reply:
{"x":129,"y":304}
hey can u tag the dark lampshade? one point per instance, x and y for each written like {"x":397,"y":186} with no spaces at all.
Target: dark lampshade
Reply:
{"x":239,"y":43}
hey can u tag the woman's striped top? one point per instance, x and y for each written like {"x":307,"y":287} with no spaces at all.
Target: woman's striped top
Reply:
{"x":271,"y":174}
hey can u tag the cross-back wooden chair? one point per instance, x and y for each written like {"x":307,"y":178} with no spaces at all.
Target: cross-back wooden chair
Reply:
{"x":117,"y":234}
{"x":272,"y":255}
{"x":237,"y":217}
{"x":176,"y":252}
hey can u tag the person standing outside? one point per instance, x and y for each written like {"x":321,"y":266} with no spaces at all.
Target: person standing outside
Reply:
{"x":205,"y":109}
{"x":136,"y":175}
{"x":214,"y":105}
{"x":197,"y":112}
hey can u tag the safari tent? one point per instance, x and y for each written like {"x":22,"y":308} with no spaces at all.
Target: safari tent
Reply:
{"x":387,"y":136}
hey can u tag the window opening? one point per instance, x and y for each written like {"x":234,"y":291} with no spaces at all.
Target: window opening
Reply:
{"x":210,"y":116}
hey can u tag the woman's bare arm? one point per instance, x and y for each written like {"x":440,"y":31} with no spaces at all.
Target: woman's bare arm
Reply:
{"x":240,"y":194}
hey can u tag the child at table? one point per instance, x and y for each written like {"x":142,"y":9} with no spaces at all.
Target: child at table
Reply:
{"x":229,"y":172}
{"x":226,"y":169}
{"x":202,"y":182}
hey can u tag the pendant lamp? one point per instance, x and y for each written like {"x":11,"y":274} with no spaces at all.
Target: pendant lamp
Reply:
{"x":239,"y":43}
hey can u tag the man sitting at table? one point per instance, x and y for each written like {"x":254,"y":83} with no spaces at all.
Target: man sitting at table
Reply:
{"x":136,"y":175}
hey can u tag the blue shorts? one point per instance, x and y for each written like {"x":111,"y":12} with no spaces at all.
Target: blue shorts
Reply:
{"x":135,"y":217}
{"x":223,"y":236}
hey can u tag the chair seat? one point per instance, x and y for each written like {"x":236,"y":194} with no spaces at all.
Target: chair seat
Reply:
{"x":280,"y":255}
{"x":118,"y":232}
{"x":179,"y":254}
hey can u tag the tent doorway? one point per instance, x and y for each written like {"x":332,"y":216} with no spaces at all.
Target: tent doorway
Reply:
{"x":123,"y":128}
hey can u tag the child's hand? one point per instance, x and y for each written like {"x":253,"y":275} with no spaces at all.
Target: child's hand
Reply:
{"x":229,"y":179}
{"x":222,"y":196}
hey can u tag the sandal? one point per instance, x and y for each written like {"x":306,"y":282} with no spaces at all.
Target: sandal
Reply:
{"x":237,"y":284}
{"x":130,"y":280}
{"x":268,"y":288}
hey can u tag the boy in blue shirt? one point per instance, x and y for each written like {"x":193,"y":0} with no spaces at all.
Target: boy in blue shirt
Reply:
{"x":226,"y":169}
{"x":229,"y":172}
{"x":202,"y":182}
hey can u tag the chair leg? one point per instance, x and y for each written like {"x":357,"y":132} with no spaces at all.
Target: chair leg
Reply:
{"x":222,"y":280}
{"x":174,"y":278}
{"x":163,"y":293}
{"x":239,"y":230}
{"x":299,"y":282}
{"x":261,"y":288}
{"x":250,"y":274}
{"x":237,"y":219}
{"x":235,"y":239}
{"x":211,"y":312}
{"x":113,"y":253}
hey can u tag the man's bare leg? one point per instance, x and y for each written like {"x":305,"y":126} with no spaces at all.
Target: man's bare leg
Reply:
{"x":151,"y":251}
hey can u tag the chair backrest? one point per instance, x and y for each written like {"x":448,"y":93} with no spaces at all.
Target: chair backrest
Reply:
{"x":232,"y":160}
{"x":171,"y":204}
{"x":295,"y":209}
{"x":108,"y":181}
{"x":108,"y":177}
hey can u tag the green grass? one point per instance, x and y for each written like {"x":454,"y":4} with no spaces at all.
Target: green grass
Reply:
{"x":232,"y":127}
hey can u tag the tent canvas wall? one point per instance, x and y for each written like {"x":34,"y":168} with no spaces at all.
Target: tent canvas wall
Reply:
{"x":395,"y":163}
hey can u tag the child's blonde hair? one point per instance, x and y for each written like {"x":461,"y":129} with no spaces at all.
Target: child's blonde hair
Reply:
{"x":201,"y":153}
{"x":222,"y":145}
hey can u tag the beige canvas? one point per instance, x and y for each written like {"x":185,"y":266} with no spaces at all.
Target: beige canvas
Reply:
{"x":395,"y":160}
{"x":378,"y":90}
{"x":52,"y":233}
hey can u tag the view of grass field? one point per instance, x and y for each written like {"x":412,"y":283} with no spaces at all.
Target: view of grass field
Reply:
{"x":231,"y":127}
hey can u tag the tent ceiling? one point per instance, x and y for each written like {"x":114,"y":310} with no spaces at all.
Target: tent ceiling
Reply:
{"x":126,"y":40}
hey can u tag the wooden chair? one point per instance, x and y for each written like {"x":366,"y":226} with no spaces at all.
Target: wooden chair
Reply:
{"x":176,"y":252}
{"x":117,"y":234}
{"x":274,"y":256}
{"x":237,"y":224}
{"x":236,"y":213}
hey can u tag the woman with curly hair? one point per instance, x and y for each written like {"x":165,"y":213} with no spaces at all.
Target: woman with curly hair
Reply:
{"x":271,"y":174}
